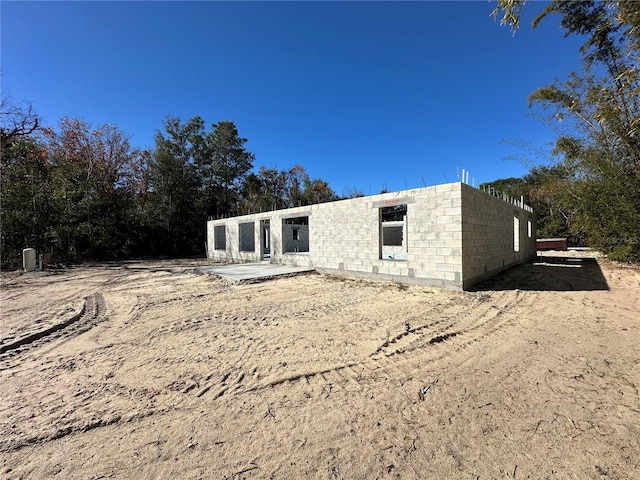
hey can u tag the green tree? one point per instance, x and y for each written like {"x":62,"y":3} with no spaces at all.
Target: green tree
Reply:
{"x":194,"y":174}
{"x":273,"y":189}
{"x":25,"y":189}
{"x":70,"y":193}
{"x":601,"y":104}
{"x":96,"y":177}
{"x":225,"y":167}
{"x":270,"y":190}
{"x":23,"y":182}
{"x":546,"y":189}
{"x":317,"y":190}
{"x":173,"y":213}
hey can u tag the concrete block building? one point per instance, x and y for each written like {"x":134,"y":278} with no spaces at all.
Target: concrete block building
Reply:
{"x":451,"y":236}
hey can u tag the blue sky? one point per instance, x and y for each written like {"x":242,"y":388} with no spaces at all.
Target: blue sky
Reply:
{"x":362,"y":94}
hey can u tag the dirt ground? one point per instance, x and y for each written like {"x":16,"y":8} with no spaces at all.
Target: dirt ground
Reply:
{"x":149,"y":370}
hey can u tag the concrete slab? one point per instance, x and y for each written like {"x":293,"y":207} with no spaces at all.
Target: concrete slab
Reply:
{"x":242,"y":272}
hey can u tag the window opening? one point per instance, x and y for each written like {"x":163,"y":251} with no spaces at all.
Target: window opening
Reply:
{"x":516,"y":234}
{"x":295,"y":235}
{"x":247,"y":238}
{"x":529,"y":228}
{"x":393,"y":232}
{"x":219,"y":237}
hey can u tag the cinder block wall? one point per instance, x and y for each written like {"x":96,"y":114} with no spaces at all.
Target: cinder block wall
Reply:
{"x":345,"y":237}
{"x":442,"y":249}
{"x":232,"y":248}
{"x":488,"y":235}
{"x":435,"y":236}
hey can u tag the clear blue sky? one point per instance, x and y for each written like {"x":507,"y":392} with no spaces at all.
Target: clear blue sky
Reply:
{"x":359,"y":93}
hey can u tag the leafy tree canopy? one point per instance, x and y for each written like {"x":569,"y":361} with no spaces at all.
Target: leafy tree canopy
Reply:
{"x":599,"y":189}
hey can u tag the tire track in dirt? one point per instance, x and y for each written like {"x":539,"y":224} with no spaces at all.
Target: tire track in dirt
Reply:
{"x":252,"y":379}
{"x":396,"y":358}
{"x":74,"y":425}
{"x":92,"y":312}
{"x":475,"y":325}
{"x":52,"y":307}
{"x":485,"y":315}
{"x":239,"y":375}
{"x":436,"y":334}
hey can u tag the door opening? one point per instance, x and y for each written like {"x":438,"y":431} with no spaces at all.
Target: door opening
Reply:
{"x":265,"y":240}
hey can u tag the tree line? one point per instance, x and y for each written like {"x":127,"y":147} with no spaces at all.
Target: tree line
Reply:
{"x":78,"y":193}
{"x":81,"y":193}
{"x":591,"y":193}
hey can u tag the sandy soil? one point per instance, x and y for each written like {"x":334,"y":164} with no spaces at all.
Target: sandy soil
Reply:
{"x":148,"y":370}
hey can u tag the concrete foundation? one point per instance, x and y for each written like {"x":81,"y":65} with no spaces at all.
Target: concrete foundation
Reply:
{"x":452,"y":237}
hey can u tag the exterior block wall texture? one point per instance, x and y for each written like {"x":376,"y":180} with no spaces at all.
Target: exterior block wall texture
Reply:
{"x":345,"y":237}
{"x":489,"y":237}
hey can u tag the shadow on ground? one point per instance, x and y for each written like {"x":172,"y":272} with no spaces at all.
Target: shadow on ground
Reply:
{"x":549,"y":273}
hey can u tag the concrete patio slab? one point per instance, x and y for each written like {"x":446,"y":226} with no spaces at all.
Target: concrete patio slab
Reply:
{"x":242,"y":272}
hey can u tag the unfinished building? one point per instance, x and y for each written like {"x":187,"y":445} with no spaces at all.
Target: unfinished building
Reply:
{"x":451,"y":236}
